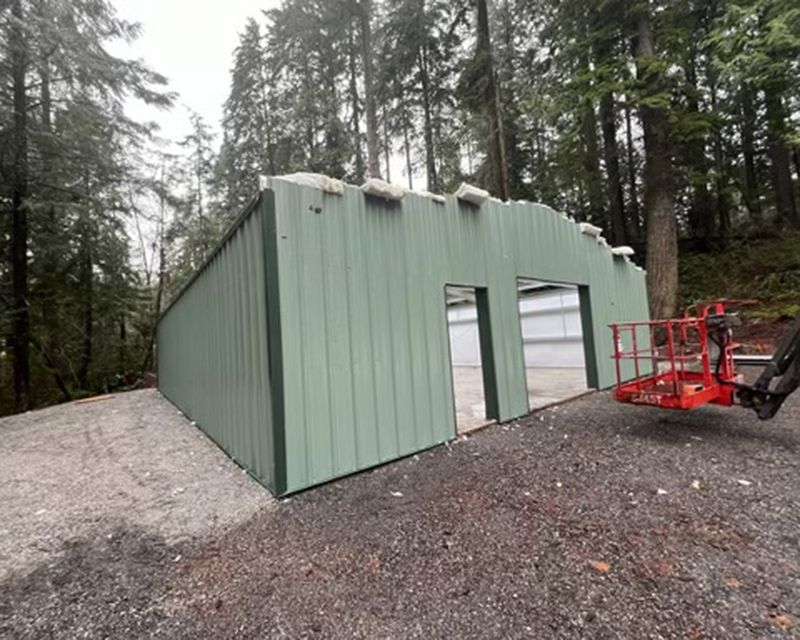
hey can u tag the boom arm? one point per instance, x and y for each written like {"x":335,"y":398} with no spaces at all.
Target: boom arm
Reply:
{"x":785,"y":364}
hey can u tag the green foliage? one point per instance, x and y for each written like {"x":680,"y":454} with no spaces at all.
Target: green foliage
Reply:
{"x":117,"y":226}
{"x":82,"y":292}
{"x":758,"y":41}
{"x":767,"y":270}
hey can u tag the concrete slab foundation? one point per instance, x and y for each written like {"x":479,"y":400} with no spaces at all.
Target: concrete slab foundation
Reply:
{"x":546,"y":385}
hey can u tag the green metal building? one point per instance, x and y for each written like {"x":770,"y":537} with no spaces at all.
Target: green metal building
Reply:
{"x":313,"y":342}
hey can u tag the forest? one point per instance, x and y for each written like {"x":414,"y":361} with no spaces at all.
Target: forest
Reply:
{"x":671,"y":124}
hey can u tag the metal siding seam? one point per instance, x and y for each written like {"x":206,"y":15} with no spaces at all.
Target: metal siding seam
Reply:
{"x":230,"y":353}
{"x":439,"y":359}
{"x":390,"y":258}
{"x":247,"y":384}
{"x":406,"y":417}
{"x":376,"y":361}
{"x":297,"y":472}
{"x":274,"y":342}
{"x":318,"y":418}
{"x":301,"y":418}
{"x":370,"y":433}
{"x":427,"y":296}
{"x":352,"y":414}
{"x":327,"y":338}
{"x":240,"y":407}
{"x":234,"y":384}
{"x":318,"y":427}
{"x":264,"y":405}
{"x":412,"y":340}
{"x":215,"y":341}
{"x":283,"y":290}
{"x":340,"y":353}
{"x":253,"y":353}
{"x":252,"y":323}
{"x":229,"y":403}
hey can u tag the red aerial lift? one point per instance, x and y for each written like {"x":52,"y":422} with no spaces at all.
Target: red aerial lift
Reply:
{"x":687,"y":362}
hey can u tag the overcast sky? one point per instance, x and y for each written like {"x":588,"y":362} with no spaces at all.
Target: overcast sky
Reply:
{"x":192,"y":44}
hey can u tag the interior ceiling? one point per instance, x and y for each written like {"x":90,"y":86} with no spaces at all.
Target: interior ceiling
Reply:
{"x":466,"y":295}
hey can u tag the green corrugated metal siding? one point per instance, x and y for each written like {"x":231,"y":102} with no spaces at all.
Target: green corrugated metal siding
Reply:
{"x":360,"y":284}
{"x":213,"y":349}
{"x":314,"y":342}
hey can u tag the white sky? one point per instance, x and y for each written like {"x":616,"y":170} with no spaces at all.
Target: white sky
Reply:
{"x":191,"y":43}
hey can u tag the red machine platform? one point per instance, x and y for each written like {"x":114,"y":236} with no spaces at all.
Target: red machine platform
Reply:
{"x":682,"y":364}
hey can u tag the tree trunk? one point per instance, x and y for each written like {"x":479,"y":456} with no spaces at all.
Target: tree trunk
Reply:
{"x":387,"y":145}
{"x":702,"y":221}
{"x":406,"y":140}
{"x":796,"y":158}
{"x":496,"y":142}
{"x":723,"y":205}
{"x":721,"y":174}
{"x":147,"y":362}
{"x":592,"y":180}
{"x":752,"y":195}
{"x":66,"y":396}
{"x":430,"y":157}
{"x":373,"y":159}
{"x":87,"y":287}
{"x":662,"y":233}
{"x":633,"y":190}
{"x":49,"y":283}
{"x":591,"y":166}
{"x":21,"y":333}
{"x":123,"y":339}
{"x":608,"y":122}
{"x":356,"y":113}
{"x":780,"y":159}
{"x":311,"y":121}
{"x":266,"y":118}
{"x":407,"y":149}
{"x":515,"y":157}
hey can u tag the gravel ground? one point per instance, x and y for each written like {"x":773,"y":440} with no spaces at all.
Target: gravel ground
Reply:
{"x":79,"y":470}
{"x":589,"y":520}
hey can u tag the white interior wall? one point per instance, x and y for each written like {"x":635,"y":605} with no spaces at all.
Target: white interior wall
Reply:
{"x":551,"y":330}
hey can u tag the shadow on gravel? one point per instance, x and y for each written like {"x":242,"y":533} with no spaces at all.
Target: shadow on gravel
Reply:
{"x":115,"y":585}
{"x":712,"y":425}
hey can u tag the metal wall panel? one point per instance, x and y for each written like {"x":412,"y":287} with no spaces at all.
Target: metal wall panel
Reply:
{"x":360,"y":295}
{"x":213,"y":355}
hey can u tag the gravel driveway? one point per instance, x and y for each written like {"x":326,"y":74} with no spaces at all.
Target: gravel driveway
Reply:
{"x":589,"y":520}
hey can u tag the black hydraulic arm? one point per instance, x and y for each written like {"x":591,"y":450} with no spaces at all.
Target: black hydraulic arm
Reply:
{"x":785,"y":365}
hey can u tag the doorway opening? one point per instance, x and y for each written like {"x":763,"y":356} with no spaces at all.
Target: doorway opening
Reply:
{"x":471,"y":363}
{"x":552,"y":341}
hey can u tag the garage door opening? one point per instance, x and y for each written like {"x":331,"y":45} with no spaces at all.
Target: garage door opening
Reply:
{"x":470,"y":360}
{"x":552,"y":341}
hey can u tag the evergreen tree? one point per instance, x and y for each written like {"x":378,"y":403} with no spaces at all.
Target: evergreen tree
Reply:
{"x":70,"y":145}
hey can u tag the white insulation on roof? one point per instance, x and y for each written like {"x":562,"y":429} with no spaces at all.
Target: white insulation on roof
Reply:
{"x":623,"y":251}
{"x":590,"y":230}
{"x":475,"y":195}
{"x":316,"y":180}
{"x":382,"y":189}
{"x":433,"y":196}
